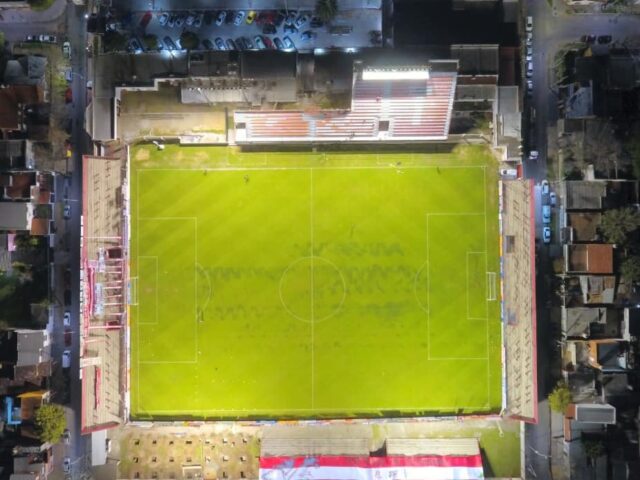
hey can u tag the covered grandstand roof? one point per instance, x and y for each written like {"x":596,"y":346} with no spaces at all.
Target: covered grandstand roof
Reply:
{"x":418,"y":467}
{"x":389,"y":109}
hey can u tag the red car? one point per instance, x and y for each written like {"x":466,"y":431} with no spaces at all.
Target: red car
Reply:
{"x":266,"y":17}
{"x":268,"y":43}
{"x":146,"y":18}
{"x":67,"y":337}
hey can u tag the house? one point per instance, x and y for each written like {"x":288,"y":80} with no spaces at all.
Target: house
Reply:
{"x":589,"y":290}
{"x":26,"y":70}
{"x":609,"y":355}
{"x":33,"y":466}
{"x":29,"y":205}
{"x":16,"y":155}
{"x":595,"y":322}
{"x":25,"y":356}
{"x":14,"y":100}
{"x":584,"y":195}
{"x":583,"y":227}
{"x":589,"y":258}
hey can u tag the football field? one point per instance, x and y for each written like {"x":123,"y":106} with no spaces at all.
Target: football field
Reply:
{"x":309,"y":285}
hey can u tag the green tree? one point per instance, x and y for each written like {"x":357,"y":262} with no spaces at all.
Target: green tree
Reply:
{"x":150,"y":42}
{"x":630,"y":268}
{"x":616,"y":225}
{"x":114,"y":42}
{"x":560,"y":398}
{"x":326,"y":10}
{"x":40,"y":5}
{"x":50,"y":422}
{"x":189,"y":41}
{"x":593,"y":447}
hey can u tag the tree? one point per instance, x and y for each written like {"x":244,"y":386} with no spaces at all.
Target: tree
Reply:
{"x":150,"y":42}
{"x":50,"y":422}
{"x":560,"y":398}
{"x":630,"y":268}
{"x":616,"y":225}
{"x":593,"y":448}
{"x":114,"y":42}
{"x":189,"y":41}
{"x":326,"y":10}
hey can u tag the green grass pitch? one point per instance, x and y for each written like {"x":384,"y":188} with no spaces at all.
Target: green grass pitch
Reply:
{"x":312,"y":285}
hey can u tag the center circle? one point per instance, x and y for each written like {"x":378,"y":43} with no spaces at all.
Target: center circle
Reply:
{"x":312,"y":289}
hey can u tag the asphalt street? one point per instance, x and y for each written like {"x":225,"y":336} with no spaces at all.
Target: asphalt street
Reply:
{"x":552,"y":29}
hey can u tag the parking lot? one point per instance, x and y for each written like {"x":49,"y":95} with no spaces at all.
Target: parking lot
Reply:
{"x":255,"y":30}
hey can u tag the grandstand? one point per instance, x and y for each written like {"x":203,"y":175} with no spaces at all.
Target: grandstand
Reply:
{"x":412,"y":104}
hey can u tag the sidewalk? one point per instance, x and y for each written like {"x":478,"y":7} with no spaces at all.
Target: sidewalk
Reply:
{"x":559,"y":461}
{"x":26,"y":15}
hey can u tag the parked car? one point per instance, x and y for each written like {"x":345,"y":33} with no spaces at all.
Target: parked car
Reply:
{"x":280,"y":17}
{"x":529,"y":26}
{"x":237,"y":21}
{"x":268,"y":43}
{"x":301,"y":20}
{"x":220,"y":45}
{"x":172,"y":21}
{"x":171,"y":46}
{"x":146,"y":18}
{"x":604,"y":39}
{"x":259,"y":43}
{"x":231,"y":45}
{"x":31,"y":38}
{"x":534,"y":154}
{"x":308,"y":35}
{"x":67,"y":337}
{"x":269,"y":29}
{"x":207,"y":44}
{"x":546,"y":214}
{"x":67,"y":211}
{"x":529,"y":40}
{"x":66,"y":436}
{"x":529,"y":87}
{"x":316,"y":23}
{"x":291,"y":16}
{"x":529,"y":54}
{"x":240,"y":43}
{"x":278,"y":43}
{"x":508,"y":173}
{"x":66,"y":465}
{"x":66,"y":319}
{"x":163,"y":19}
{"x":190,"y":19}
{"x":220,"y":18}
{"x":544,"y":185}
{"x":197,"y":23}
{"x":290,"y":28}
{"x":248,"y":44}
{"x":288,"y":43}
{"x":180,"y":20}
{"x":529,"y":69}
{"x":134,"y":46}
{"x":251,"y":16}
{"x":546,"y":234}
{"x":66,"y":50}
{"x":588,"y":39}
{"x":66,"y":359}
{"x":553,"y":199}
{"x":48,"y":38}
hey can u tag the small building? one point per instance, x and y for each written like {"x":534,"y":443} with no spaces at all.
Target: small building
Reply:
{"x":584,"y":195}
{"x":595,"y":323}
{"x":14,"y":100}
{"x":26,"y":70}
{"x":583,"y":227}
{"x":25,"y":356}
{"x":589,"y":258}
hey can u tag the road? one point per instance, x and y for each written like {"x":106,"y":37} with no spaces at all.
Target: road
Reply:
{"x":552,"y":29}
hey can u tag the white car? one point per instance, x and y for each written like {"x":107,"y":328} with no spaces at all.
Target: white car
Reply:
{"x":66,"y":50}
{"x":66,"y":320}
{"x":67,"y":211}
{"x":163,"y":19}
{"x":529,"y":25}
{"x":534,"y":154}
{"x":529,"y":54}
{"x":66,"y":436}
{"x":546,"y":234}
{"x":529,"y":87}
{"x":222,"y":15}
{"x":545,"y":187}
{"x":508,"y":173}
{"x":553,"y":199}
{"x":66,"y":359}
{"x":47,"y":38}
{"x":239,"y":18}
{"x":66,"y":465}
{"x":529,"y":40}
{"x":529,"y":69}
{"x":546,"y":214}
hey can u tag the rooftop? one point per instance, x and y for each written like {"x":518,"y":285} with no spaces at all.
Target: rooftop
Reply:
{"x":590,"y":258}
{"x":585,"y":195}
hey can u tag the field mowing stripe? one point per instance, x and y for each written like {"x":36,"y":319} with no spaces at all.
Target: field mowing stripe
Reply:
{"x":313,"y":293}
{"x":342,"y":167}
{"x":486,"y":249}
{"x":486,"y":305}
{"x":447,"y":408}
{"x":155,"y":257}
